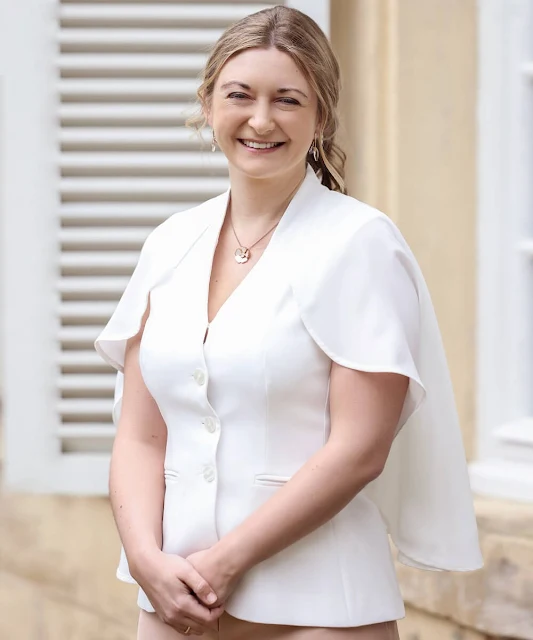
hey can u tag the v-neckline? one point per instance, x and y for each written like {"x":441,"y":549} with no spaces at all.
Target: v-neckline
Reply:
{"x":240,"y":285}
{"x":310,"y":178}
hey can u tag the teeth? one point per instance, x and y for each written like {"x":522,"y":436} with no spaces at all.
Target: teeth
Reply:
{"x":260,"y":145}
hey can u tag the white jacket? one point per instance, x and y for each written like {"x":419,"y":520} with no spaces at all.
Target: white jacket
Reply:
{"x":244,"y":412}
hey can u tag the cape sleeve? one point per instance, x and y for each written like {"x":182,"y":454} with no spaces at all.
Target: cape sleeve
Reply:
{"x":362,"y":309}
{"x":367,"y":306}
{"x":126,"y":319}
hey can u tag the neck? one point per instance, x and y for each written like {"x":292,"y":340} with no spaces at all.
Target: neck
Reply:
{"x":258,"y":203}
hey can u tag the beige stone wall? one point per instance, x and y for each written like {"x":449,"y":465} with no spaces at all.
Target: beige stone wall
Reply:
{"x":408,"y":111}
{"x":58,"y":556}
{"x":496,"y":601}
{"x":57,"y":562}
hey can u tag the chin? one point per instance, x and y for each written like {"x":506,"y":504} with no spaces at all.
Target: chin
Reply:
{"x":258,"y":172}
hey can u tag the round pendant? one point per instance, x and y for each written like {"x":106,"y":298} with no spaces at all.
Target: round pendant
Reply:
{"x":242,"y":254}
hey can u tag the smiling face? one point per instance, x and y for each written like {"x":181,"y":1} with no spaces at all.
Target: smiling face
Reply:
{"x":264,"y":113}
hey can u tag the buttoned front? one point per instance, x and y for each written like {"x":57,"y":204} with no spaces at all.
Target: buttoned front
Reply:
{"x":199,"y":377}
{"x":210,"y":424}
{"x":338,"y":283}
{"x":209,"y":473}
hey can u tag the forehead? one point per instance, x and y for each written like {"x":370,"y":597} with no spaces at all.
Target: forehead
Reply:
{"x":263,"y":67}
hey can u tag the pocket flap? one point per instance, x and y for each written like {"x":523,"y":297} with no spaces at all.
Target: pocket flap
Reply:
{"x":270,"y":480}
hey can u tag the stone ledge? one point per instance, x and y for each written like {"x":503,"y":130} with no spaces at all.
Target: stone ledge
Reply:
{"x":418,"y":625}
{"x":28,"y":612}
{"x":496,"y":600}
{"x":68,"y":548}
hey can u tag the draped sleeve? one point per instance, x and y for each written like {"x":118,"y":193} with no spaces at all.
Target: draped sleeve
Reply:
{"x":364,"y":301}
{"x":364,"y":310}
{"x":127,"y":317}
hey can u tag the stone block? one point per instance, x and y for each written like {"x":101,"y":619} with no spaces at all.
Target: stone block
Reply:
{"x":20,"y":608}
{"x":69,"y":548}
{"x":63,"y":621}
{"x":496,"y":600}
{"x":418,"y":625}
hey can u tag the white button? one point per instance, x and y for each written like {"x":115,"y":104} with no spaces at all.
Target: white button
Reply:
{"x":199,"y":376}
{"x":209,"y":474}
{"x":210,"y":424}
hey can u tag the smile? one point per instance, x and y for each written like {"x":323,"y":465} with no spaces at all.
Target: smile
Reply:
{"x":260,"y":145}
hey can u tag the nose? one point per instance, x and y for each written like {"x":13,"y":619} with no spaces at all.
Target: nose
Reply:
{"x":261,"y":119}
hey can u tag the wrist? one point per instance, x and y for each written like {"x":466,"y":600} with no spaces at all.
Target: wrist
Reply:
{"x":232,"y":555}
{"x":140,"y":560}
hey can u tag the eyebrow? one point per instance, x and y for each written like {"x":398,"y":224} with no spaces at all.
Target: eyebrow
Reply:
{"x":247,"y":87}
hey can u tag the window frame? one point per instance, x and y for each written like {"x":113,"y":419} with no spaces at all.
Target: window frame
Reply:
{"x":504,"y":464}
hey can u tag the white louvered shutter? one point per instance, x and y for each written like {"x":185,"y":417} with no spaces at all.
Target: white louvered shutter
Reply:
{"x":120,"y":160}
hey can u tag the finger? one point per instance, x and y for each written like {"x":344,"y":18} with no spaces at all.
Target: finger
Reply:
{"x":188,"y":627}
{"x":152,"y":625}
{"x":181,"y":622}
{"x":215,"y":614}
{"x":200,"y":613}
{"x":198,"y":584}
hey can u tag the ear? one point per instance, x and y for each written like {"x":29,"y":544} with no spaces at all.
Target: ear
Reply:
{"x":206,"y":112}
{"x":318,"y":126}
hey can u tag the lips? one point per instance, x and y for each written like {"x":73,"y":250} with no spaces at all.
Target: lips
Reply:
{"x":260,"y":146}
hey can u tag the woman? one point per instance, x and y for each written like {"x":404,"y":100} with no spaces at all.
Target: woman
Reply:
{"x":283,"y":400}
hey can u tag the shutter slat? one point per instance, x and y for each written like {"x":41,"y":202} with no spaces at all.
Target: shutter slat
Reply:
{"x":87,"y":430}
{"x":127,"y":89}
{"x":85,"y":407}
{"x":125,"y":138}
{"x":116,"y":213}
{"x":131,"y":65}
{"x":81,"y":361}
{"x":124,"y":114}
{"x":103,"y":238}
{"x":91,"y":262}
{"x":90,"y":312}
{"x":151,"y":188}
{"x":78,"y":335}
{"x":137,"y":40}
{"x":100,"y":286}
{"x":142,"y":164}
{"x":82,"y":382}
{"x":154,"y":15}
{"x":252,"y":3}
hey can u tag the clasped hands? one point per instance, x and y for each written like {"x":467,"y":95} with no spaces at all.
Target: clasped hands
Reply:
{"x":188,"y":592}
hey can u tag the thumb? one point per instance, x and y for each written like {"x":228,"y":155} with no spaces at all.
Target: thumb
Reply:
{"x":199,"y":585}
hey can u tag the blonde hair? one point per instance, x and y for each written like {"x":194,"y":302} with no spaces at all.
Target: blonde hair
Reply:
{"x":297,"y":35}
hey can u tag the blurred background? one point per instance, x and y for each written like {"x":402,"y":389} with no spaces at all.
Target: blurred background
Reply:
{"x":436,"y":112}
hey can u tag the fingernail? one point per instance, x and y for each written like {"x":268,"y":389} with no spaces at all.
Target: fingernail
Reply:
{"x":211,"y":598}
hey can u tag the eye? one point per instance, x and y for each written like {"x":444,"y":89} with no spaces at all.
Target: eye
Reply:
{"x":289,"y":101}
{"x":237,"y":95}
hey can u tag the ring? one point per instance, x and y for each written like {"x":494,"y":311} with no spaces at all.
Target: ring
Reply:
{"x":186,"y":632}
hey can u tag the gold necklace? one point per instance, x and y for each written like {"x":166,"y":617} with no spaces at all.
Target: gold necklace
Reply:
{"x":242,"y":253}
